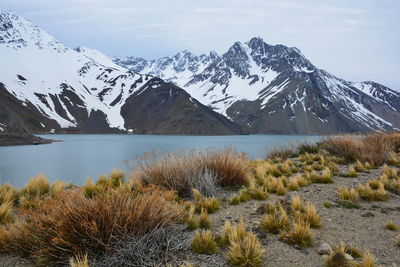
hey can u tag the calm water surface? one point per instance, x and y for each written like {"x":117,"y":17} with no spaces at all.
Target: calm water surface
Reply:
{"x":81,"y":156}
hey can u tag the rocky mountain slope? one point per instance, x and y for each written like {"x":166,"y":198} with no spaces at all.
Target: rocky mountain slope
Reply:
{"x":52,"y":88}
{"x":276,"y":89}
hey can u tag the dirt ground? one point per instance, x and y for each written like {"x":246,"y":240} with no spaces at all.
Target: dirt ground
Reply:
{"x":362,"y":228}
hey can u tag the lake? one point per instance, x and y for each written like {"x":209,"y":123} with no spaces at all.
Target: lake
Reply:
{"x":88,"y":155}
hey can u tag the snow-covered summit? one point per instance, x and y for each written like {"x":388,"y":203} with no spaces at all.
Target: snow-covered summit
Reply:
{"x":246,"y":81}
{"x":17,"y":32}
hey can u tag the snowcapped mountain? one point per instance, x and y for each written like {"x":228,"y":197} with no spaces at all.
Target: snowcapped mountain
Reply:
{"x":276,"y":89}
{"x":56,"y":88}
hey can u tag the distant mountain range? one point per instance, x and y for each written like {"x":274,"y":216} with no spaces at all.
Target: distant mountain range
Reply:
{"x":48,"y":87}
{"x":276,"y":89}
{"x":252,"y":88}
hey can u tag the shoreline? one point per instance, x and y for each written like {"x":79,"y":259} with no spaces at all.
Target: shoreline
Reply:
{"x":21,"y":140}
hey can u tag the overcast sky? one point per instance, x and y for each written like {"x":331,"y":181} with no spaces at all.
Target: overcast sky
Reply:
{"x":355,"y":40}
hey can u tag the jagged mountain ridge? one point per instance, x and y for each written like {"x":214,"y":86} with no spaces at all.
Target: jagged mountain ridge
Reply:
{"x":59,"y":89}
{"x":276,"y":89}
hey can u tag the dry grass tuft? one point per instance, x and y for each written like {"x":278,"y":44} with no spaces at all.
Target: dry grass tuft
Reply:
{"x":246,"y":252}
{"x":37,"y":186}
{"x":391,"y":226}
{"x":370,"y":194}
{"x":6,"y":212}
{"x":368,"y":260}
{"x":191,"y":222}
{"x":275,"y":221}
{"x":7,"y":194}
{"x":235,"y":200}
{"x":337,"y":258}
{"x":244,"y":248}
{"x":324,"y":178}
{"x":296,"y":204}
{"x":373,"y":148}
{"x":70,"y":224}
{"x":79,"y":261}
{"x":184,"y":171}
{"x":281,"y":189}
{"x":283,"y":153}
{"x":300,"y":235}
{"x":203,"y":243}
{"x":359,"y":167}
{"x":209,"y":204}
{"x":309,"y":216}
{"x":350,"y":194}
{"x":391,"y":173}
{"x":204,"y":221}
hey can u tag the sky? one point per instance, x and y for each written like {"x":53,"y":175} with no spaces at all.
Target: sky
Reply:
{"x":355,"y":40}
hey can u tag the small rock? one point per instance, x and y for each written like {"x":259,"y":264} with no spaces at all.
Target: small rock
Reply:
{"x":237,"y":219}
{"x":305,"y":252}
{"x":297,"y":246}
{"x":262,"y":209}
{"x":348,"y":257}
{"x":324,"y":249}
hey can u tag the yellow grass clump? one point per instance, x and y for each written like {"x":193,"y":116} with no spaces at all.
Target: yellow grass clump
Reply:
{"x":368,"y":260}
{"x":235,"y":200}
{"x":36,"y":187}
{"x":391,"y":226}
{"x":337,"y":257}
{"x":350,"y":194}
{"x":191,"y":222}
{"x":204,"y":221}
{"x":6,"y":212}
{"x":244,"y":248}
{"x":79,"y":261}
{"x":296,"y":204}
{"x":246,"y":252}
{"x":299,"y":235}
{"x":391,"y":173}
{"x":276,"y":221}
{"x":7,"y":194}
{"x":370,"y":194}
{"x":309,"y":215}
{"x":211,"y":205}
{"x":203,"y":243}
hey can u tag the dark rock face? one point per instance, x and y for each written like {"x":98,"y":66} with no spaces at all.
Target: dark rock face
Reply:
{"x":168,"y":109}
{"x":16,"y":119}
{"x":306,"y":105}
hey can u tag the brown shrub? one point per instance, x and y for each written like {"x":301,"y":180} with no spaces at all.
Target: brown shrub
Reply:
{"x":184,"y":171}
{"x":70,"y":224}
{"x":282,"y":153}
{"x":374,"y":148}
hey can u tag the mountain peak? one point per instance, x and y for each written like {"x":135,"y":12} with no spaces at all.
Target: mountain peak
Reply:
{"x":18,"y":32}
{"x":255,"y":41}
